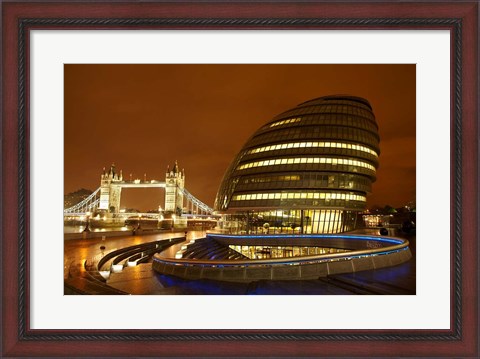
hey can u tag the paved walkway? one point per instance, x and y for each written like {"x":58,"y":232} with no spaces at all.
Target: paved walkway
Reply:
{"x":81,"y":255}
{"x":142,"y":279}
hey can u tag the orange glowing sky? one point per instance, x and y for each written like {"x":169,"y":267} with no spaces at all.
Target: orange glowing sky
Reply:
{"x":144,"y":117}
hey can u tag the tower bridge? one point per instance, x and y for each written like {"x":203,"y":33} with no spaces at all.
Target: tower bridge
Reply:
{"x":106,"y":198}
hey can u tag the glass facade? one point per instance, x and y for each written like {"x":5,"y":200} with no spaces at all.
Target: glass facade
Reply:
{"x":308,"y":170}
{"x":271,"y":252}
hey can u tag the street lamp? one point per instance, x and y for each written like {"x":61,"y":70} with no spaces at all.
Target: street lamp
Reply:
{"x":87,"y":226}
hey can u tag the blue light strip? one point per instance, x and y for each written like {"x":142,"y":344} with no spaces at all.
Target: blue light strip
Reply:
{"x":324,"y":236}
{"x":347,"y":257}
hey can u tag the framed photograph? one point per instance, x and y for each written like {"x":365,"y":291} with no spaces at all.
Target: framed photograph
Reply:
{"x":63,"y":63}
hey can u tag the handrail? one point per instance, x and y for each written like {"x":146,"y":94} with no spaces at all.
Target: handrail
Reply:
{"x":289,"y":260}
{"x":139,"y":248}
{"x":395,"y":240}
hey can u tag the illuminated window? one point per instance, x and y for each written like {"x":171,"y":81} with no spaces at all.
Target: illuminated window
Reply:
{"x":313,"y":144}
{"x":300,"y":195}
{"x":283,"y":122}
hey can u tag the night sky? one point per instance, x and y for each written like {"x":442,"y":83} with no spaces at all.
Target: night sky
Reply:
{"x":144,"y":117}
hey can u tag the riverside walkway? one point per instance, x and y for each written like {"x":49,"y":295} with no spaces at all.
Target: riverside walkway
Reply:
{"x":81,"y":257}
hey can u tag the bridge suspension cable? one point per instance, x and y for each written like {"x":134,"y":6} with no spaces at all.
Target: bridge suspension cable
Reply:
{"x":89,"y":204}
{"x":195,"y":201}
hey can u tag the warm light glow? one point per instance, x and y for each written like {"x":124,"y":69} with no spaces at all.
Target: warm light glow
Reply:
{"x":283,"y":146}
{"x":323,"y":160}
{"x":283,"y":122}
{"x":299,"y":195}
{"x":269,"y":252}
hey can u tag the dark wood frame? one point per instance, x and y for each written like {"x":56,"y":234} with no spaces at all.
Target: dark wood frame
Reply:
{"x":461,"y":340}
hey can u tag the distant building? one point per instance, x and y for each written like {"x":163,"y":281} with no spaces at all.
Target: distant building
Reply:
{"x":308,"y":170}
{"x":73,"y":198}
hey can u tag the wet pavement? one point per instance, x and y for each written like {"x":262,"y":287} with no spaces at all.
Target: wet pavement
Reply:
{"x":82,"y":255}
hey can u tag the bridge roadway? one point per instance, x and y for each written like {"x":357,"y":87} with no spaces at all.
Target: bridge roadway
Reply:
{"x":140,"y":184}
{"x":141,"y":279}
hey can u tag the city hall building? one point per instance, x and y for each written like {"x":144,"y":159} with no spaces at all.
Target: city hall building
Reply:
{"x":308,"y":170}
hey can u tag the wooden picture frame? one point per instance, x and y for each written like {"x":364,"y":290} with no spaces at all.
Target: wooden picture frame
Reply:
{"x":461,"y":19}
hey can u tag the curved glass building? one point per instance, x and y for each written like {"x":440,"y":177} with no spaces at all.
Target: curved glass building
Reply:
{"x":308,"y":170}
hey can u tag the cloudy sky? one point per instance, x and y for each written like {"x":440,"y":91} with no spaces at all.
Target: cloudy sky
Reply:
{"x":144,"y":117}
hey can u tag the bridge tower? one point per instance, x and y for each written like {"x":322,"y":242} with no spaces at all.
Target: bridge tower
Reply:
{"x":174,"y":182}
{"x":109,"y":191}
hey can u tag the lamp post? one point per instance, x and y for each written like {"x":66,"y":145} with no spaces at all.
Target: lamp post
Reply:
{"x":139,"y":220}
{"x":87,"y":226}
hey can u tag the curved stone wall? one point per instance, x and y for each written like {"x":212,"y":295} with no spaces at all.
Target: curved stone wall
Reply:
{"x":296,"y":268}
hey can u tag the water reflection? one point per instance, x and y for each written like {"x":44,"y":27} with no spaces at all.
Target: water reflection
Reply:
{"x":81,"y":228}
